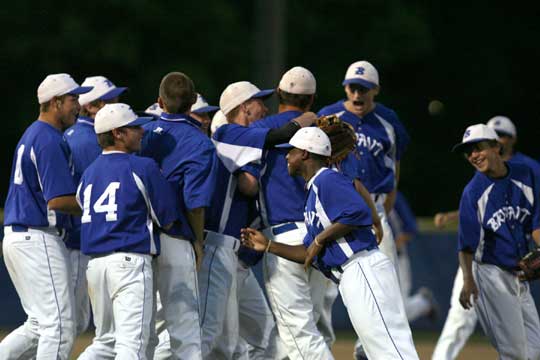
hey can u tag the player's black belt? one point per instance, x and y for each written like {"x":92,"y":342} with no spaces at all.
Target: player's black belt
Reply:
{"x":24,"y":228}
{"x":280,"y":229}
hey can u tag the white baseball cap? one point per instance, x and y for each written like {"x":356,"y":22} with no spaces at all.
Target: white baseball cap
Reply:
{"x":103,"y":89}
{"x":58,"y":85}
{"x":362,"y":73}
{"x":218,"y":120}
{"x":476,"y":133}
{"x":201,"y":106}
{"x":114,"y":116}
{"x":298,"y":80}
{"x":154,"y":110}
{"x":311,"y":139}
{"x":502,"y":125}
{"x":240,"y":92}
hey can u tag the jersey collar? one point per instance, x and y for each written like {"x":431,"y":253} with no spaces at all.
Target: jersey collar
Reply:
{"x":310,"y":182}
{"x":180,"y":118}
{"x":85,"y":120}
{"x":109,"y":152}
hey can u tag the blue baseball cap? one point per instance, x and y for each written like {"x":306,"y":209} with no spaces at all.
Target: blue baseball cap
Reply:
{"x":362,"y":73}
{"x":201,"y":106}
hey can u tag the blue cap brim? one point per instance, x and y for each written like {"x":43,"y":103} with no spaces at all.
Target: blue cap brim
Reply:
{"x":284,"y":146}
{"x":263,"y":94}
{"x":364,"y":83}
{"x":140,"y":121}
{"x":113,"y":93}
{"x":460,"y":146}
{"x":206,"y":109}
{"x":80,"y":90}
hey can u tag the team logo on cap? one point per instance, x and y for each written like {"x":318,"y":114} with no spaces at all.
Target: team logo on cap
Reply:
{"x":360,"y":71}
{"x":467,"y":134}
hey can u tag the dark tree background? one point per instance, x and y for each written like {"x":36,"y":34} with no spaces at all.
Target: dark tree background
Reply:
{"x":477,"y":58}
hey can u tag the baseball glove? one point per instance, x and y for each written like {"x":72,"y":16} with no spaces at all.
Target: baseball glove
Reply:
{"x":530,"y":265}
{"x":341,"y":134}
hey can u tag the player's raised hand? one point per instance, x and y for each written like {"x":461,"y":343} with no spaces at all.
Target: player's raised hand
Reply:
{"x":313,"y":250}
{"x":469,"y":289}
{"x":443,"y":218}
{"x":254,"y":239}
{"x":306,"y":119}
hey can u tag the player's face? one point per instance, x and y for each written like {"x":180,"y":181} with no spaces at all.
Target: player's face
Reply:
{"x":294,"y":161}
{"x":132,"y":136}
{"x":360,"y":99}
{"x":68,"y":108}
{"x":255,"y":110}
{"x":204,"y":119}
{"x":483,"y":156}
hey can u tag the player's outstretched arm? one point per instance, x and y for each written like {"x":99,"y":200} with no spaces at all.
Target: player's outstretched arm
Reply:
{"x":377,"y":226}
{"x":286,"y":132}
{"x":443,"y":218}
{"x":469,"y":286}
{"x":66,"y":204}
{"x":257,"y":241}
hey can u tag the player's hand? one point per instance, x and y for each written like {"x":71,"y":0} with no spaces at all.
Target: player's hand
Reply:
{"x":469,"y":289}
{"x":306,"y":119}
{"x":313,"y":250}
{"x":254,"y":239}
{"x":199,"y":254}
{"x":379,"y":233}
{"x":440,"y":220}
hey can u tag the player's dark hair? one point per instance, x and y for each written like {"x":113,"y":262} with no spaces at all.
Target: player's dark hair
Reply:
{"x":83,"y":111}
{"x":231,"y":115}
{"x":300,"y":101}
{"x":105,"y":139}
{"x":320,"y":158}
{"x":177,"y":92}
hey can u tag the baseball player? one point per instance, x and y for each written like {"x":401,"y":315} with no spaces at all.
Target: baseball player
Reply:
{"x":41,"y":194}
{"x":296,"y":296}
{"x":340,"y":241}
{"x":201,"y":111}
{"x":84,"y":147}
{"x":403,"y":224}
{"x":460,"y":323}
{"x":228,"y":213}
{"x":124,"y":199}
{"x":498,"y":210}
{"x":382,"y":140}
{"x":186,"y":158}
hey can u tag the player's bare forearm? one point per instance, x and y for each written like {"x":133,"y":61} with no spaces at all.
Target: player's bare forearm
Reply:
{"x":469,"y":292}
{"x":390,"y":201}
{"x":441,"y":219}
{"x":66,"y":204}
{"x":465,"y":262}
{"x":364,"y":193}
{"x":196,"y":221}
{"x":536,"y":237}
{"x":256,"y":240}
{"x":334,"y":232}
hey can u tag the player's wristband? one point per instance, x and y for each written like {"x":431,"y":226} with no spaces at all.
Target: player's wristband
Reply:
{"x":297,"y":124}
{"x":268,"y":245}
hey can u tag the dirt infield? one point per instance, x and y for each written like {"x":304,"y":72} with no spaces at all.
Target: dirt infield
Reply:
{"x":477,"y":348}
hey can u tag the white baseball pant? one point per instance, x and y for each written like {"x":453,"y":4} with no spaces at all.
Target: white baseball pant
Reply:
{"x":121,"y":291}
{"x":257,"y":326}
{"x":370,"y":291}
{"x":415,"y":305}
{"x":507,"y":312}
{"x":218,"y":297}
{"x":38,"y":264}
{"x":458,"y":327}
{"x":79,"y":262}
{"x":177,"y":319}
{"x":296,"y":297}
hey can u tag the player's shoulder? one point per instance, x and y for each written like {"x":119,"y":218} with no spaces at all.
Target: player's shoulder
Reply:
{"x":386,"y":113}
{"x":330,"y":177}
{"x":332,"y":108}
{"x":520,"y":158}
{"x":142,"y":165}
{"x":275,"y":120}
{"x":40,"y":135}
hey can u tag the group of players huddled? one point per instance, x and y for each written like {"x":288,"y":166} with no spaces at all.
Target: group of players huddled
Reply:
{"x":153,"y":220}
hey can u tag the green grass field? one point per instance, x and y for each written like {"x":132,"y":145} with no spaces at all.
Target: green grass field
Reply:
{"x":476,"y":349}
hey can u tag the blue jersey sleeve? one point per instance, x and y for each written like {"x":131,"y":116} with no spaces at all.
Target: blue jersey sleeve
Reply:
{"x":469,"y":224}
{"x":55,"y":174}
{"x":159,"y":194}
{"x":253,"y":169}
{"x":199,"y":180}
{"x":405,"y":213}
{"x":341,"y":202}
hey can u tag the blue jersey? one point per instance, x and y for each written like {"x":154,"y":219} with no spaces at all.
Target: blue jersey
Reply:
{"x":41,"y":171}
{"x":186,"y":158}
{"x":82,"y":141}
{"x":401,"y":218}
{"x":332,"y":199}
{"x":520,"y":158}
{"x":122,"y":196}
{"x":281,"y":196}
{"x":382,"y":140}
{"x":497,"y":215}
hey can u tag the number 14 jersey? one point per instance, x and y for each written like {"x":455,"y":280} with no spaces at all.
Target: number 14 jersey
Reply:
{"x":123,"y":198}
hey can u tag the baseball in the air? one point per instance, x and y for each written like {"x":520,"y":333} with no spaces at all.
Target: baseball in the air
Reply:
{"x":435,"y":107}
